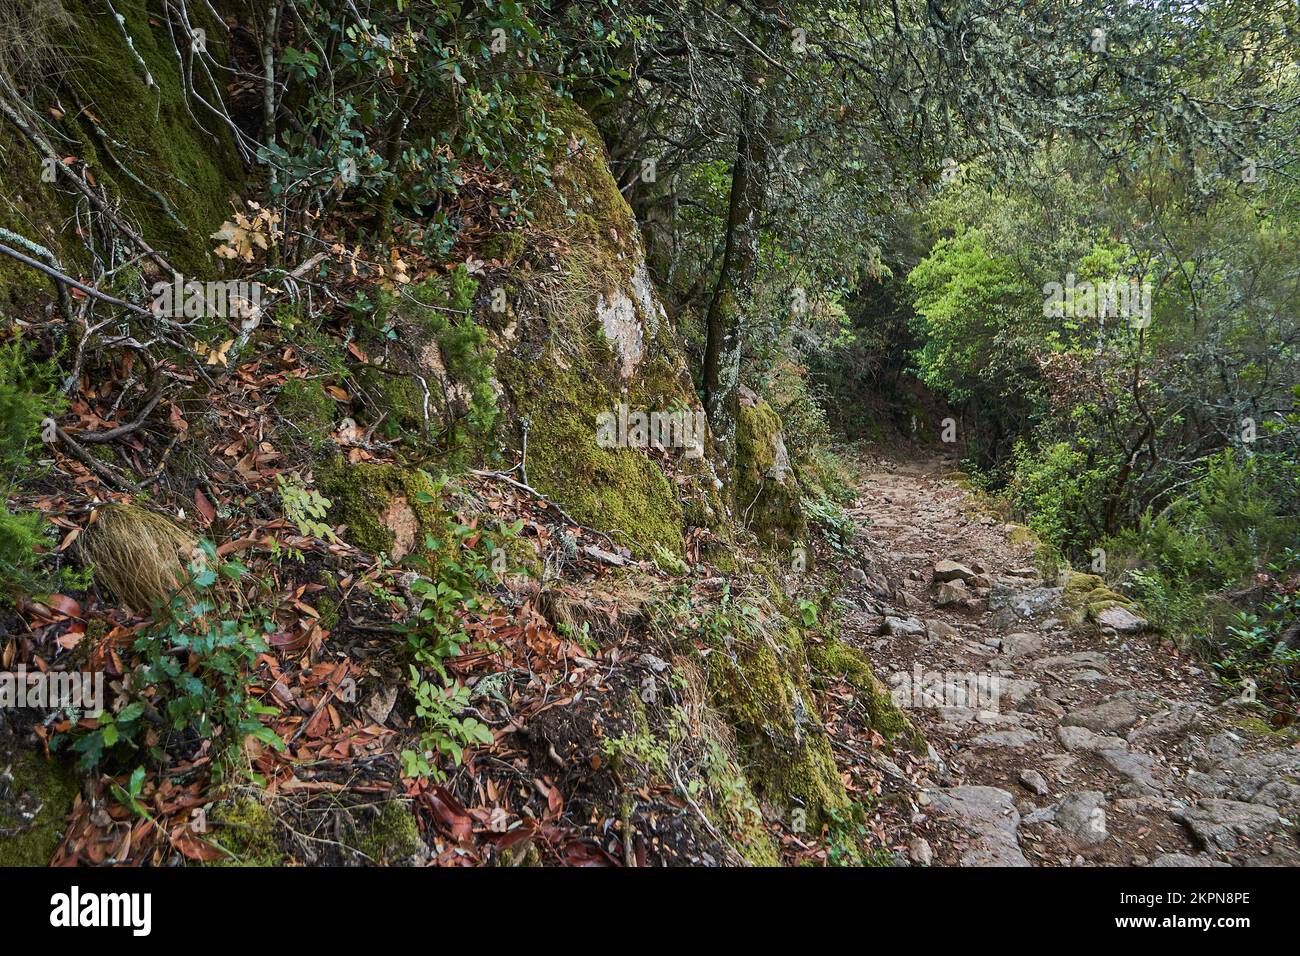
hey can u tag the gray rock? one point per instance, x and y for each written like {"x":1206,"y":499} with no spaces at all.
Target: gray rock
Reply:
{"x":951,"y":571}
{"x":1093,"y":659}
{"x":1168,"y":725}
{"x":919,"y":852}
{"x":1112,"y":716}
{"x":1081,"y":738}
{"x":1137,"y":768}
{"x":1183,"y":859}
{"x":1034,"y":781}
{"x":1121,"y":619}
{"x":1015,"y":645}
{"x":950,"y":593}
{"x":989,"y":817}
{"x":902,"y":627}
{"x":1083,"y":816}
{"x":1015,"y":739}
{"x":1220,"y":823}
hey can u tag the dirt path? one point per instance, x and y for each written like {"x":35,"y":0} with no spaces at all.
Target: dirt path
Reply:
{"x":1052,"y":740}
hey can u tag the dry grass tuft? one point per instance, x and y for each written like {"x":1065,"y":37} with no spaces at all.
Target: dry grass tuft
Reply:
{"x":140,"y":556}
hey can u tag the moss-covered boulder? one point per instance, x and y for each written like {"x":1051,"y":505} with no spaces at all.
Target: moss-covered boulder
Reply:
{"x":767,"y":497}
{"x":586,"y":336}
{"x":386,"y":509}
{"x":757,"y":686}
{"x":35,"y":797}
{"x":1090,"y":599}
{"x":126,"y":117}
{"x":833,"y":660}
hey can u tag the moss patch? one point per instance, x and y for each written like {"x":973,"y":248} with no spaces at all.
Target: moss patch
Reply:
{"x":835,"y":660}
{"x":362,"y":495}
{"x":612,"y":489}
{"x":768,"y":506}
{"x":308,"y":409}
{"x":390,"y":835}
{"x":778,"y":730}
{"x":35,"y":797}
{"x":246,"y":830}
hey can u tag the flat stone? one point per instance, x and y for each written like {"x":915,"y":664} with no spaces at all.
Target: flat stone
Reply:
{"x":1221,"y":823}
{"x":1137,"y":768}
{"x":1170,"y":724}
{"x":1183,"y":859}
{"x":1015,"y":645}
{"x":1014,"y":739}
{"x":1109,"y":717}
{"x":902,"y":627}
{"x":990,"y":818}
{"x":1093,"y":659}
{"x":951,"y":571}
{"x":1081,"y":738}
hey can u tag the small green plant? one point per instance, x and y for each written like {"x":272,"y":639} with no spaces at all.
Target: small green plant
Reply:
{"x":305,"y":507}
{"x":455,"y":574}
{"x":835,"y":523}
{"x":194,"y":675}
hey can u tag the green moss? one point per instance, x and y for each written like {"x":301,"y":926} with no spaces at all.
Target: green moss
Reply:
{"x":389,"y":836}
{"x":360,"y":495}
{"x":33,"y":784}
{"x":152,"y":130}
{"x":612,"y":489}
{"x":833,"y":659}
{"x":768,"y":507}
{"x":308,"y":409}
{"x":245,"y":829}
{"x":778,"y":729}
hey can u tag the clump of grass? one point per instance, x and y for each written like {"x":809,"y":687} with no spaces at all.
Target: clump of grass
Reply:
{"x":140,"y":556}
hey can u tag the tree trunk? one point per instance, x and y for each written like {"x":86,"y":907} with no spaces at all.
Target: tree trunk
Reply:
{"x":725,"y":321}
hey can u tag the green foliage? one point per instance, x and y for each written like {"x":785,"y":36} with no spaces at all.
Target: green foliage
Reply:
{"x":1057,"y":488}
{"x":26,"y":399}
{"x":194,"y":677}
{"x":305,"y":507}
{"x":455,"y":573}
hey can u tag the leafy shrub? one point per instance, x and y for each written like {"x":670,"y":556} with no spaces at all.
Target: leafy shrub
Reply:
{"x":194,"y":675}
{"x":26,"y":398}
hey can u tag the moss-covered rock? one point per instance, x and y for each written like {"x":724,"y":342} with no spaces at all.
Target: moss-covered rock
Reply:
{"x":35,"y":797}
{"x":387,"y":509}
{"x":245,"y":829}
{"x":835,"y":660}
{"x":777,"y":727}
{"x":387,"y":835}
{"x":767,"y":498}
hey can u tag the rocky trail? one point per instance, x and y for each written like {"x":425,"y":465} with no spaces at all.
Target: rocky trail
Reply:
{"x":1059,"y":730}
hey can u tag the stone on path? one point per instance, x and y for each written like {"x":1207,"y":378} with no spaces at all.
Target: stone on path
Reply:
{"x":1034,"y":782}
{"x":1081,"y":738}
{"x":1121,"y":619}
{"x":902,"y":627}
{"x":951,"y":571}
{"x":1219,"y":823}
{"x":919,"y":852}
{"x":950,"y":593}
{"x":1109,"y":717}
{"x":989,"y":816}
{"x":1083,"y":816}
